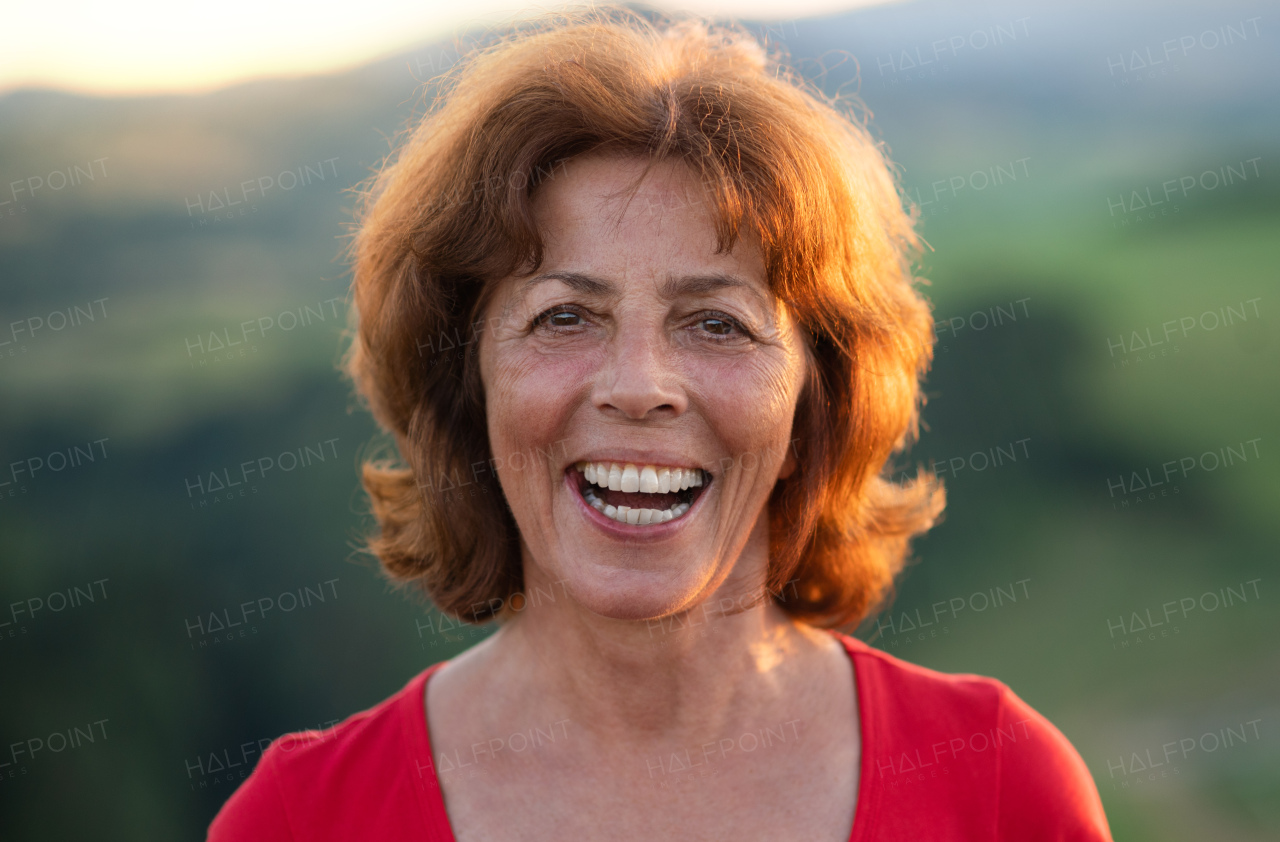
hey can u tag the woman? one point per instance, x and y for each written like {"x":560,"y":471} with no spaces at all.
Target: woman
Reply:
{"x":638,"y":308}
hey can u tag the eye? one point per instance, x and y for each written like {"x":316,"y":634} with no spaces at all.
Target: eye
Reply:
{"x":558,"y":317}
{"x":721,"y":326}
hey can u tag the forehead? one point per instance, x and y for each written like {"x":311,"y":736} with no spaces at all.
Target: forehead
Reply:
{"x":601,"y":181}
{"x":622,"y":217}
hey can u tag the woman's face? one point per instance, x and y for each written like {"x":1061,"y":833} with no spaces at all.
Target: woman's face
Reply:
{"x":636,"y":348}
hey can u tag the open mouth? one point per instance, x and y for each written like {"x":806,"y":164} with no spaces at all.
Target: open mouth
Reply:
{"x":640,"y":495}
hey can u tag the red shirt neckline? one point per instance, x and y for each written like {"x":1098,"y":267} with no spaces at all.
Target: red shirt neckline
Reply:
{"x":413,"y":711}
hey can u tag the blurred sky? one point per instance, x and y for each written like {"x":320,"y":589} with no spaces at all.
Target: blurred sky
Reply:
{"x":152,"y":46}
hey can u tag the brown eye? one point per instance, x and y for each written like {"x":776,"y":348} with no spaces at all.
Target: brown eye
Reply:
{"x":721,"y":326}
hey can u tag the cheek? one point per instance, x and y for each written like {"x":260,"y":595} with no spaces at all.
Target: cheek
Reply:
{"x":751,"y":400}
{"x":531,"y":396}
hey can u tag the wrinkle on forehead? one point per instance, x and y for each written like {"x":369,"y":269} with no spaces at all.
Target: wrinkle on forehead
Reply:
{"x":569,"y":203}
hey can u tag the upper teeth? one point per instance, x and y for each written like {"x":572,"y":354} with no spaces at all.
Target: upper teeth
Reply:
{"x":650,"y":479}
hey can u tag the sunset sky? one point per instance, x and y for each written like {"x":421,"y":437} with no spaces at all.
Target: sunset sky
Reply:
{"x":139,"y":47}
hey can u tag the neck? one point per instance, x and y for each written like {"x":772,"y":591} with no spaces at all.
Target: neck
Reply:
{"x":731,"y":661}
{"x":734,"y":661}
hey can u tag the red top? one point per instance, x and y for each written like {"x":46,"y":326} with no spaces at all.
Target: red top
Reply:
{"x":944,"y":757}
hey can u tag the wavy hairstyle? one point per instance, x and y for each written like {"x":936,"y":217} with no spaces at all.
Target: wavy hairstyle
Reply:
{"x":450,"y":213}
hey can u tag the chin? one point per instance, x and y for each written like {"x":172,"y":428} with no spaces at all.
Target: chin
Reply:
{"x":634,"y":594}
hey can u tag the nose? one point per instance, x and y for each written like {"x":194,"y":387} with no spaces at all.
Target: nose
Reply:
{"x":639,"y":381}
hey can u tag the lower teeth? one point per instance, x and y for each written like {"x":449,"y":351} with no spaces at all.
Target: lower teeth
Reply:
{"x":641,"y":517}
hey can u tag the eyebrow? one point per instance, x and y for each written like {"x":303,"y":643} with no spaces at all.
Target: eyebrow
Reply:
{"x":673,"y":287}
{"x":576,"y":280}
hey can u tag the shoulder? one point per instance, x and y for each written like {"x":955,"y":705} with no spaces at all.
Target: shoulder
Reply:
{"x":333,"y":783}
{"x":1046,"y":791}
{"x":978,"y":743}
{"x":908,"y":691}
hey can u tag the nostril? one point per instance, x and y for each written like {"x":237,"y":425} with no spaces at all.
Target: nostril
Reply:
{"x":637,"y":392}
{"x":636,"y":413}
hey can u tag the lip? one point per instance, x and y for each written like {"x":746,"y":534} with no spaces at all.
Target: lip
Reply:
{"x":631,"y":533}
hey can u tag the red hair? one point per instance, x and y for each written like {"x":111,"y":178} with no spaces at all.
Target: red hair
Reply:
{"x":450,"y":213}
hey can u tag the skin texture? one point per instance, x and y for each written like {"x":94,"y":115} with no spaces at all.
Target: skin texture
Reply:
{"x":627,"y":651}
